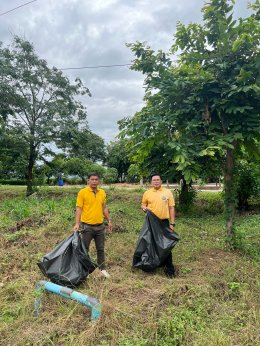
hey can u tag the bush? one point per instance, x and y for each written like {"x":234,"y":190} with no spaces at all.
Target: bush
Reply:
{"x":110,"y":176}
{"x":247,"y":182}
{"x":72,"y":181}
{"x":185,"y":198}
{"x":209,"y":203}
{"x":12,"y":182}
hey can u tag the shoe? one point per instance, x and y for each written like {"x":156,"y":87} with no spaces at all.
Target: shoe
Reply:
{"x":105,"y":273}
{"x":170,"y":272}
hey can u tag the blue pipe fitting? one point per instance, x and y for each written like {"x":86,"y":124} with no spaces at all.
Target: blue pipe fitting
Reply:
{"x":68,"y":293}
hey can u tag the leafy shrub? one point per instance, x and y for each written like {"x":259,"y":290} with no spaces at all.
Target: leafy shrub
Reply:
{"x":175,"y":329}
{"x":209,"y":203}
{"x":72,"y":180}
{"x":110,"y":176}
{"x":185,"y":198}
{"x":247,"y":180}
{"x":12,"y":182}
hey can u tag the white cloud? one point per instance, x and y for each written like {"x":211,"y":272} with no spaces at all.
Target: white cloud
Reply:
{"x":72,"y":33}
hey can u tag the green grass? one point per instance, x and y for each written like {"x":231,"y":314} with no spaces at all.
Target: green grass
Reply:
{"x":213,"y":300}
{"x":247,"y":234}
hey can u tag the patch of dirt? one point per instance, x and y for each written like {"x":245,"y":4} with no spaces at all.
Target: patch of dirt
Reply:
{"x":57,"y":194}
{"x":133,"y":186}
{"x":212,"y":262}
{"x":119,"y":228}
{"x":147,"y":303}
{"x":29,"y":222}
{"x":251,"y":210}
{"x":136,"y":295}
{"x":9,"y":195}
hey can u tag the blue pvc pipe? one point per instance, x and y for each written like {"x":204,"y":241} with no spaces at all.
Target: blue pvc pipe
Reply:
{"x":68,"y":293}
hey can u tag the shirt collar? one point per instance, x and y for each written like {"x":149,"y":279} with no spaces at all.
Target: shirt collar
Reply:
{"x":160,"y":189}
{"x":90,"y":189}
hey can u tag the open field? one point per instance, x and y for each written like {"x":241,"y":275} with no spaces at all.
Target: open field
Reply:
{"x":214,"y":300}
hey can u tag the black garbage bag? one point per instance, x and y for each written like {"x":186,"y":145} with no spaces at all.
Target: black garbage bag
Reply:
{"x":69,"y":263}
{"x":154,"y":243}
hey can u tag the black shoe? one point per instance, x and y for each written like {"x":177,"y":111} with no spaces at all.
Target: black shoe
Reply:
{"x":170,"y":272}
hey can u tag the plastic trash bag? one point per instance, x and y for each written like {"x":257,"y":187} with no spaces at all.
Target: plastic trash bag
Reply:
{"x":154,"y":243}
{"x":69,"y":263}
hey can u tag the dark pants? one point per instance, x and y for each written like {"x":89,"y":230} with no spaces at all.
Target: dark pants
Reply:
{"x":168,"y":264}
{"x":96,"y":232}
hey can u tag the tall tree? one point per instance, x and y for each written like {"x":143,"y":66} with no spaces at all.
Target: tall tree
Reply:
{"x":82,"y":143}
{"x":41,"y":101}
{"x":82,"y":167}
{"x":117,"y":157}
{"x":54,"y":168}
{"x":13,"y":155}
{"x":207,"y":103}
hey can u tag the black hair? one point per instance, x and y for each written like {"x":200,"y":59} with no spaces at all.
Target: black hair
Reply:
{"x":155,"y":174}
{"x":94,"y":174}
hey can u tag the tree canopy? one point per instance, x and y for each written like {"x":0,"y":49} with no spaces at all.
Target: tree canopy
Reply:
{"x":205,"y":104}
{"x":38,"y":102}
{"x":117,"y":157}
{"x":82,"y":143}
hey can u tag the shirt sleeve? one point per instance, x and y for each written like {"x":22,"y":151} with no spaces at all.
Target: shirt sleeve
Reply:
{"x":144,"y":199}
{"x":171,"y":200}
{"x":80,"y":200}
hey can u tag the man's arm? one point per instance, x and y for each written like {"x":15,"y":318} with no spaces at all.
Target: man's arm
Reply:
{"x":144,"y":204}
{"x":107,"y":217}
{"x":172,"y":217}
{"x":78,"y":216}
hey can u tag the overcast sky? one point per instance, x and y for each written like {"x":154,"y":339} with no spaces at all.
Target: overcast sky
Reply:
{"x":75,"y":33}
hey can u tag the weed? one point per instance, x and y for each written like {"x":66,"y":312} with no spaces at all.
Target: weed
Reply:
{"x":132,"y":342}
{"x":234,"y":286}
{"x":247,"y":236}
{"x":12,"y":237}
{"x":112,"y":188}
{"x":51,"y":206}
{"x":186,"y":270}
{"x":179,"y":326}
{"x":139,"y":189}
{"x":8,"y":315}
{"x":139,"y":284}
{"x":212,"y":302}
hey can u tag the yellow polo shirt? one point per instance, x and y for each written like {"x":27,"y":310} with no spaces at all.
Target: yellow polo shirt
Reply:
{"x":92,"y":205}
{"x":159,"y":201}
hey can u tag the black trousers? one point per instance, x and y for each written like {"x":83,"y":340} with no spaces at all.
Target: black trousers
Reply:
{"x":96,"y":232}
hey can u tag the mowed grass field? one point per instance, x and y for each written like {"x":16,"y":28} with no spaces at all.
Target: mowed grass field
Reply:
{"x":213,"y":301}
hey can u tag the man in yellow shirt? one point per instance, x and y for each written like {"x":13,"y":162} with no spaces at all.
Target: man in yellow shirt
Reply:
{"x":160,"y":201}
{"x":90,"y":212}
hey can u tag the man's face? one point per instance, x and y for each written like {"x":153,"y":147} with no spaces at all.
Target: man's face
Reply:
{"x":93,"y":181}
{"x":156,"y":182}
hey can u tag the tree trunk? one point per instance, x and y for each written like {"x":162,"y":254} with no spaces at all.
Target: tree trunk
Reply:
{"x":31,"y":162}
{"x":183,"y":193}
{"x":230,"y":196}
